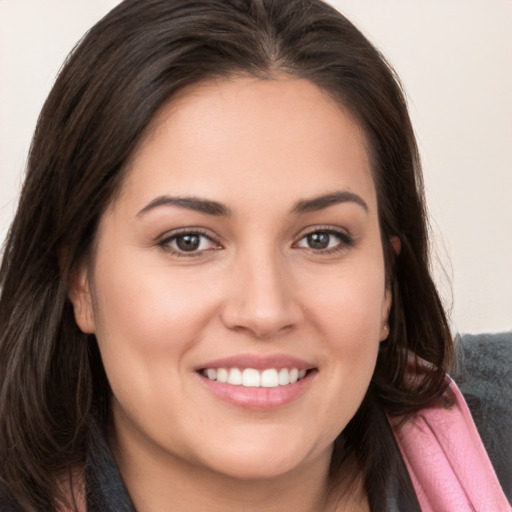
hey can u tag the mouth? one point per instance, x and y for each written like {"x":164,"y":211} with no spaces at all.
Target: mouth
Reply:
{"x":257,"y":383}
{"x":254,"y":378}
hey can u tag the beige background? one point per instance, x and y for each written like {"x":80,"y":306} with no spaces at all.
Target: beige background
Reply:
{"x":455,"y":61}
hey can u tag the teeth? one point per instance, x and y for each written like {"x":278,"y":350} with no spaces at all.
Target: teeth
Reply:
{"x":251,"y":378}
{"x":269,"y":379}
{"x":235,"y":377}
{"x":284,"y":377}
{"x":222,"y":375}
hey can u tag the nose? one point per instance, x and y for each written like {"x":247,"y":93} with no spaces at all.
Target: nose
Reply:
{"x":263,"y":299}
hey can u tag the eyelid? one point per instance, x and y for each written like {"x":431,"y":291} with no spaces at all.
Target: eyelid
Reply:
{"x":324,"y":228}
{"x":346,"y":238}
{"x":164,"y":240}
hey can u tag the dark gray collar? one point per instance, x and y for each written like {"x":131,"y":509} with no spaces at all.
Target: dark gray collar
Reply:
{"x":105,"y":489}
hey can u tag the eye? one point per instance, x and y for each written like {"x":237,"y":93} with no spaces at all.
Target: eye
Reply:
{"x":188,"y":243}
{"x":325,"y":240}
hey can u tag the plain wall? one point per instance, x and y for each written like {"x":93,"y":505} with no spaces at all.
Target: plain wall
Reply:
{"x":454,"y":58}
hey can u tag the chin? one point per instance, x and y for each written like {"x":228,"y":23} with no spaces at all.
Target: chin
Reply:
{"x":260,"y":469}
{"x":253,"y":461}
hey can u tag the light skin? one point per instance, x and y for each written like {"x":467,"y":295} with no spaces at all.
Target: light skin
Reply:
{"x":246,"y":228}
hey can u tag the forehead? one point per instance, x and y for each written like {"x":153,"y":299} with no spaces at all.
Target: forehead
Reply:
{"x":271,"y":136}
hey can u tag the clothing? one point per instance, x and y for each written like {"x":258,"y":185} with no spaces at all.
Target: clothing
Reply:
{"x":483,"y":375}
{"x":446,"y":460}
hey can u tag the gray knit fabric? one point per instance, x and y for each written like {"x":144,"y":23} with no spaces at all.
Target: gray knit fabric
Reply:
{"x":484,"y":375}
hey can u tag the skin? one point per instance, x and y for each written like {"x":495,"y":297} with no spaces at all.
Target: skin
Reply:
{"x":254,"y":286}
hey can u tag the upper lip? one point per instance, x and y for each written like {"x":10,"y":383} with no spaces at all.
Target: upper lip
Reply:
{"x":258,"y":362}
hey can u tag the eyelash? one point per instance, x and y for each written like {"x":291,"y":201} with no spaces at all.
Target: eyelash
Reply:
{"x":165,"y":243}
{"x":345,"y":241}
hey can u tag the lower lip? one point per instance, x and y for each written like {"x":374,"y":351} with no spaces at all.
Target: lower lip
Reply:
{"x":259,"y":399}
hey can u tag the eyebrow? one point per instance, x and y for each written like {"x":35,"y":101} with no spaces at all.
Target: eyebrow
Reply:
{"x":191,"y":203}
{"x":217,"y":209}
{"x":324,"y":201}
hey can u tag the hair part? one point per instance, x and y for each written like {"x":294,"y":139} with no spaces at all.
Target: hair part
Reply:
{"x":124,"y":70}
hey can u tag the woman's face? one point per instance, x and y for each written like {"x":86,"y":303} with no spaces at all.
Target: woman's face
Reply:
{"x":244,"y":245}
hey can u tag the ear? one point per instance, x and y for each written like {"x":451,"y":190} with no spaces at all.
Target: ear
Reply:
{"x":79,"y":292}
{"x":396,"y":243}
{"x":388,"y":296}
{"x":386,"y":307}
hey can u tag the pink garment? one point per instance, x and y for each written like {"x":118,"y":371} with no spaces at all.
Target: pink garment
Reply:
{"x":446,"y":460}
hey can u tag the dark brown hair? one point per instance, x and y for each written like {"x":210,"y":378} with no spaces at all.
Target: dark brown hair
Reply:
{"x":128,"y":65}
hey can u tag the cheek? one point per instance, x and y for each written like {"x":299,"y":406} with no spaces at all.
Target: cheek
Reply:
{"x":146,"y":318}
{"x":346,"y":310}
{"x":134,"y":298}
{"x":349,"y":304}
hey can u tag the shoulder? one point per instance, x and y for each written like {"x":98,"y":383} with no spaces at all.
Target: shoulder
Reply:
{"x":484,"y":375}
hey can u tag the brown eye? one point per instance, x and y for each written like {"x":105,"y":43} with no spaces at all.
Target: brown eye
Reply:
{"x":325,"y":240}
{"x":189,"y":243}
{"x":318,"y":240}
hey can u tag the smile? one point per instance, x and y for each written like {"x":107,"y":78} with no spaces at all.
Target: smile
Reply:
{"x":258,"y":382}
{"x":253,"y":378}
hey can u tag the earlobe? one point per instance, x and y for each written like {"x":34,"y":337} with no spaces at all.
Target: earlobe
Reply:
{"x":79,"y":293}
{"x":384,"y":330}
{"x":396,"y":243}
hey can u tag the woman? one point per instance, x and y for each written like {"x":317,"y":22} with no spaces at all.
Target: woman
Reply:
{"x":215,"y":292}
